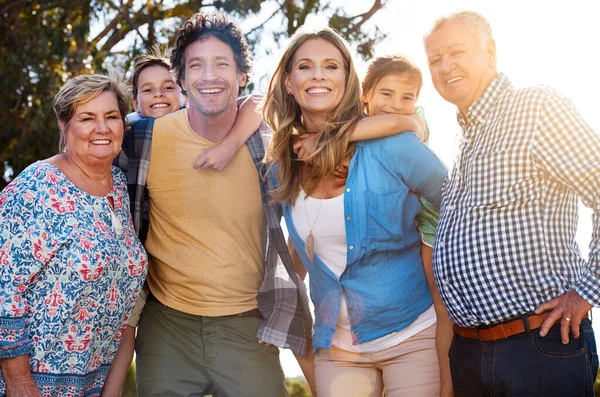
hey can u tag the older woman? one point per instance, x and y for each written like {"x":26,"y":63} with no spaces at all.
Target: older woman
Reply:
{"x":355,"y":231}
{"x":71,"y":264}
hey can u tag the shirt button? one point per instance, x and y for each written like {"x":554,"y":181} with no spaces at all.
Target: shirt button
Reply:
{"x":348,"y":189}
{"x":348,"y":217}
{"x":356,"y":333}
{"x":446,"y":281}
{"x":351,"y":247}
{"x":450,"y":208}
{"x":350,"y":309}
{"x":442,"y":243}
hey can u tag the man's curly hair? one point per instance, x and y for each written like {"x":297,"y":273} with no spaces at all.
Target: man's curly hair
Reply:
{"x":219,"y":25}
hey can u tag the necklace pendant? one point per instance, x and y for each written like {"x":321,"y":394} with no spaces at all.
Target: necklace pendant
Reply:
{"x":309,"y":247}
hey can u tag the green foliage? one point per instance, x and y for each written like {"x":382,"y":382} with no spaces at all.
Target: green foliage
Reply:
{"x":130,"y":389}
{"x":44,"y":43}
{"x":297,"y":387}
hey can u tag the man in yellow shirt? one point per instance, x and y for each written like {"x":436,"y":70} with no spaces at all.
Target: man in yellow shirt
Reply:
{"x":220,"y":276}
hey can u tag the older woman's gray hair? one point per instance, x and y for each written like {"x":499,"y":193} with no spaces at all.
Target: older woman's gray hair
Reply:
{"x":82,"y":89}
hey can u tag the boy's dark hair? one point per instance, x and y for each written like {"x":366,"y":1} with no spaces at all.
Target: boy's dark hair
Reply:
{"x":382,"y":66}
{"x":154,"y":57}
{"x":219,"y":25}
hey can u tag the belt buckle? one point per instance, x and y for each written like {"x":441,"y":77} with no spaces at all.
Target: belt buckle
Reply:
{"x":479,"y":335}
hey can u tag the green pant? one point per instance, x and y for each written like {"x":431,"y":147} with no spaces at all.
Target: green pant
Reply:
{"x":180,"y":354}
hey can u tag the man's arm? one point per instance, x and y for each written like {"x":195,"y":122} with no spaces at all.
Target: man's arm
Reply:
{"x":567,"y":148}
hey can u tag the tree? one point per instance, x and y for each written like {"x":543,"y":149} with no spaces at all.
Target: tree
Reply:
{"x":45,"y":43}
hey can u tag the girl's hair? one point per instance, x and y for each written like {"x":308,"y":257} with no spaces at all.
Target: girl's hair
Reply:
{"x":82,"y":89}
{"x":385,"y":65}
{"x":283,"y":115}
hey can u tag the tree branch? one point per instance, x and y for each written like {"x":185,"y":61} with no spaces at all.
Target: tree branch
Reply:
{"x":11,"y":4}
{"x":364,"y":17}
{"x":125,"y":15}
{"x":308,"y":7}
{"x":265,"y":21}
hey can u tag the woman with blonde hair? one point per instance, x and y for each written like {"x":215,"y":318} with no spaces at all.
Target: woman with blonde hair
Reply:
{"x":350,"y":213}
{"x":71,"y":264}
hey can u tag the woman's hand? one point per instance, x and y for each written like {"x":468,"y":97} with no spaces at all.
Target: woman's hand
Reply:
{"x":24,"y":388}
{"x":17,"y":377}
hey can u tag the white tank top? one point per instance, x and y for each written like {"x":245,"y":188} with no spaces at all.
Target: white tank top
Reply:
{"x":329,"y":233}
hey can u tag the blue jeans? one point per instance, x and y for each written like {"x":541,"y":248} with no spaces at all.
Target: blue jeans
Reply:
{"x":525,"y":365}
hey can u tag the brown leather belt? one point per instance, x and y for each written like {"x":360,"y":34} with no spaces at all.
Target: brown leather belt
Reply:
{"x":503,"y":330}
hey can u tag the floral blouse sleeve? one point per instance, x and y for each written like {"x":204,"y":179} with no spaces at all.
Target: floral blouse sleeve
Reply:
{"x":25,"y":247}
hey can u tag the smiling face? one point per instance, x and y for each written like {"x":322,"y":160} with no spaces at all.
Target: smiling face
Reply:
{"x":158,"y":94}
{"x":460,"y":68}
{"x":317,"y":79}
{"x":95,"y":132}
{"x":393,"y":94}
{"x":212,"y":80}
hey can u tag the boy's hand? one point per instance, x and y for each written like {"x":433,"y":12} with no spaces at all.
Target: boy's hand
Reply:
{"x":305,"y":146}
{"x":215,"y":158}
{"x":129,"y":124}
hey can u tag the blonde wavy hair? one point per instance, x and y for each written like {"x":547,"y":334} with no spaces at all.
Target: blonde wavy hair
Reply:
{"x":284,"y":117}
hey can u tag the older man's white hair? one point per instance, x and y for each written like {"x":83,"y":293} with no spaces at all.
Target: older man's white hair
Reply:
{"x":474,"y":21}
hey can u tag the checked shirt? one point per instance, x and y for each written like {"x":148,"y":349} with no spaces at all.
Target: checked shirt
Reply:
{"x":282,"y":298}
{"x":505,"y":241}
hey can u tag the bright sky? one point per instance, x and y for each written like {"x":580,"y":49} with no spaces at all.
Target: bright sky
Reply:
{"x":538,"y":42}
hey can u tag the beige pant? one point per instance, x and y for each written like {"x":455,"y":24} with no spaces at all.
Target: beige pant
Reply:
{"x":409,"y":369}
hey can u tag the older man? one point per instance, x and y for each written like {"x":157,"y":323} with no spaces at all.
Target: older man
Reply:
{"x":505,"y":260}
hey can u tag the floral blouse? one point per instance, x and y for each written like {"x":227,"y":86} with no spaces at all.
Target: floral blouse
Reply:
{"x":71,"y":269}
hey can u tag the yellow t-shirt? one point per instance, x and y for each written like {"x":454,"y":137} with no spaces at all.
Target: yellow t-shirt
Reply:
{"x":207,"y":232}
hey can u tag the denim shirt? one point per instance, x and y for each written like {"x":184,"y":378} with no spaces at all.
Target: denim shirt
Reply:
{"x":384,"y":282}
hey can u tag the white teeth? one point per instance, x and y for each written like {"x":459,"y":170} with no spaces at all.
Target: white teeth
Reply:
{"x":452,"y":80}
{"x":318,"y":91}
{"x":101,"y":142}
{"x":211,"y":91}
{"x":159,"y":105}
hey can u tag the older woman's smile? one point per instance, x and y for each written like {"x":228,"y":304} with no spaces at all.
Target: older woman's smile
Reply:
{"x":95,"y":133}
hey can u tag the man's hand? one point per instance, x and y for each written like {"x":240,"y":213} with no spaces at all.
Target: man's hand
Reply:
{"x":24,"y":388}
{"x":569,"y":309}
{"x":260,"y":342}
